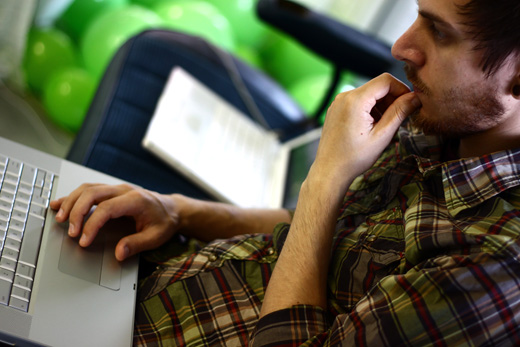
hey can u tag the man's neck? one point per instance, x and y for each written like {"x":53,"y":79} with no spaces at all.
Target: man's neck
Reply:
{"x":488,"y":142}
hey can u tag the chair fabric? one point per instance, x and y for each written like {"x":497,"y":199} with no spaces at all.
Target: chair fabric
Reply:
{"x":110,"y":138}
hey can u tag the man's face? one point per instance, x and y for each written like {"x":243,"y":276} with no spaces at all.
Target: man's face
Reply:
{"x":458,"y":98}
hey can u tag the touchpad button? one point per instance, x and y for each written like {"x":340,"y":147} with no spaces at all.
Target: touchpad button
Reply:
{"x":96,"y":263}
{"x":84,"y":263}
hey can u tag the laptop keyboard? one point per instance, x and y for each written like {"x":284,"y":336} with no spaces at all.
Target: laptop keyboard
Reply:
{"x":24,"y":198}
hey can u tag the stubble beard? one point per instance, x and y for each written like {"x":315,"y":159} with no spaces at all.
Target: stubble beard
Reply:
{"x":459,"y":113}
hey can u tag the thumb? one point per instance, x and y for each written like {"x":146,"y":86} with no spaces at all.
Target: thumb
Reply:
{"x":144,"y":240}
{"x":399,"y":110}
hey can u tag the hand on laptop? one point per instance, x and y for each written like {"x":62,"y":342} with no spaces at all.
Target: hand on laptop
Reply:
{"x":154,"y":214}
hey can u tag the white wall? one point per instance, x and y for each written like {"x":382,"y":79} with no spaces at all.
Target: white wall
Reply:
{"x":15,"y":21}
{"x":385,"y":19}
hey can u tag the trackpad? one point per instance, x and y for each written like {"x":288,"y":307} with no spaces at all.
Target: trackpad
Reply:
{"x":96,"y":263}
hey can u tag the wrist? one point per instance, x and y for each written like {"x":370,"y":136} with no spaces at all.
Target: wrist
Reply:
{"x":326,"y":181}
{"x":181,"y":209}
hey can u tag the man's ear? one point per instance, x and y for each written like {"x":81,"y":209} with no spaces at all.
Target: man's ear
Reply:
{"x":516,"y":90}
{"x":515,"y":85}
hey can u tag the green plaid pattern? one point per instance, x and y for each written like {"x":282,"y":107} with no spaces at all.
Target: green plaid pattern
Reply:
{"x":208,"y":298}
{"x":427,"y":252}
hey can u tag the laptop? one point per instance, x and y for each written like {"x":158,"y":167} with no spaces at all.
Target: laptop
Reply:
{"x":223,"y":151}
{"x":53,"y":292}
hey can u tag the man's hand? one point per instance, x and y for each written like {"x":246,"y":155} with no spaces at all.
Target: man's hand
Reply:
{"x":360,"y":124}
{"x":358,"y":127}
{"x":155,"y":215}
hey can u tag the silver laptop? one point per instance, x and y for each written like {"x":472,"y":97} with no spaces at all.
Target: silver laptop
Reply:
{"x":222,"y":150}
{"x":53,"y":292}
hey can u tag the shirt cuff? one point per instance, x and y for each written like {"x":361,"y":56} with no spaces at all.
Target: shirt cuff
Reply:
{"x":291,"y":327}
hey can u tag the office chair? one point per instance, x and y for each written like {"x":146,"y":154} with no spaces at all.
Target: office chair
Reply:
{"x":110,"y":137}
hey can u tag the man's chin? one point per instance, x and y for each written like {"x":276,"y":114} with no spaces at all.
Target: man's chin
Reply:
{"x":424,"y":124}
{"x":445,"y":129}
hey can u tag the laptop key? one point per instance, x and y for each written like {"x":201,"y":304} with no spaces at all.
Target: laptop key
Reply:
{"x":40,"y":179}
{"x":4,"y":215}
{"x":11,"y":243}
{"x":7,"y":196}
{"x":23,"y":282}
{"x":9,"y":253}
{"x":24,"y":197}
{"x":37,"y":210}
{"x":25,"y":271}
{"x":9,"y":187}
{"x":21,"y":205}
{"x":40,"y":201}
{"x":24,"y":188}
{"x":6,"y":275}
{"x":28,"y":175}
{"x":14,"y":234}
{"x":5,"y":291}
{"x":5,"y":205}
{"x":31,"y":243}
{"x":18,"y":304}
{"x":21,"y":293}
{"x":14,"y":167}
{"x":19,"y":215}
{"x":7,"y":264}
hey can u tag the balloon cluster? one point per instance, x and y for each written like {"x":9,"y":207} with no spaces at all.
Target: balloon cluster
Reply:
{"x":64,"y":64}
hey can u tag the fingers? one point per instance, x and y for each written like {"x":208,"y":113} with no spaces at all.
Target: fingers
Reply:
{"x":385,"y":88}
{"x":113,"y":208}
{"x":360,"y":124}
{"x":79,"y":203}
{"x":397,"y":112}
{"x":150,"y":212}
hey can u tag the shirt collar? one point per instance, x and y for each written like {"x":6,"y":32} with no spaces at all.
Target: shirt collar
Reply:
{"x":467,"y":182}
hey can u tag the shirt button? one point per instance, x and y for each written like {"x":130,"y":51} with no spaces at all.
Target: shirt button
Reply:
{"x":378,"y":199}
{"x":270,"y":251}
{"x":371,"y":238}
{"x":212,"y":257}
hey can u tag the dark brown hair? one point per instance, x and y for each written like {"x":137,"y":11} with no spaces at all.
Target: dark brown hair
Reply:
{"x":495,"y":26}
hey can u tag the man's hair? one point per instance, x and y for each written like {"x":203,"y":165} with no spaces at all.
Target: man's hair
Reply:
{"x":495,"y":26}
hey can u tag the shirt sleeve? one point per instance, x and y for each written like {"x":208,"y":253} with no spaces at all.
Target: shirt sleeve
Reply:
{"x":448,"y":301}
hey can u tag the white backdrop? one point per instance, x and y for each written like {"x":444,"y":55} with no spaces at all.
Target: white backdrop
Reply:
{"x":385,"y":19}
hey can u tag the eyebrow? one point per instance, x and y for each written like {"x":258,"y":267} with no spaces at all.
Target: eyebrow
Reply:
{"x":435,"y":18}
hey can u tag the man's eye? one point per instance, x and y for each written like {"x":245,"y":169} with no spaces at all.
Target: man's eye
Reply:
{"x":436,"y":32}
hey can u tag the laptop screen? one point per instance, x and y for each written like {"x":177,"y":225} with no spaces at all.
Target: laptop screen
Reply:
{"x":300,"y":161}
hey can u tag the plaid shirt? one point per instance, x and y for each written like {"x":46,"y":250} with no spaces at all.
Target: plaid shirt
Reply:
{"x":426,"y":252}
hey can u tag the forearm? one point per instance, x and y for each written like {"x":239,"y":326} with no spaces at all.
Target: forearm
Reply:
{"x":206,"y":220}
{"x":351,"y":142}
{"x":300,"y":273}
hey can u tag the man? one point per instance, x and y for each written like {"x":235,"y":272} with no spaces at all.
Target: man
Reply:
{"x":424,"y":249}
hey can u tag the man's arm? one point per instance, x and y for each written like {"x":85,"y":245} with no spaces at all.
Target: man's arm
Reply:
{"x":351,"y":142}
{"x":158,"y":217}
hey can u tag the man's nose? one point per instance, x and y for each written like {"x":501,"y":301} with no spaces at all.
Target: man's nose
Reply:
{"x":408,"y":48}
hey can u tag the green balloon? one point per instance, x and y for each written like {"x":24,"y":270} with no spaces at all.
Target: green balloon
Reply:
{"x":249,"y":55}
{"x":288,"y":61}
{"x":248,"y":28}
{"x":146,"y":3}
{"x":109,"y":31}
{"x":80,"y":14}
{"x":197,"y":18}
{"x":47,"y":51}
{"x":67,"y":97}
{"x":309,"y":91}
